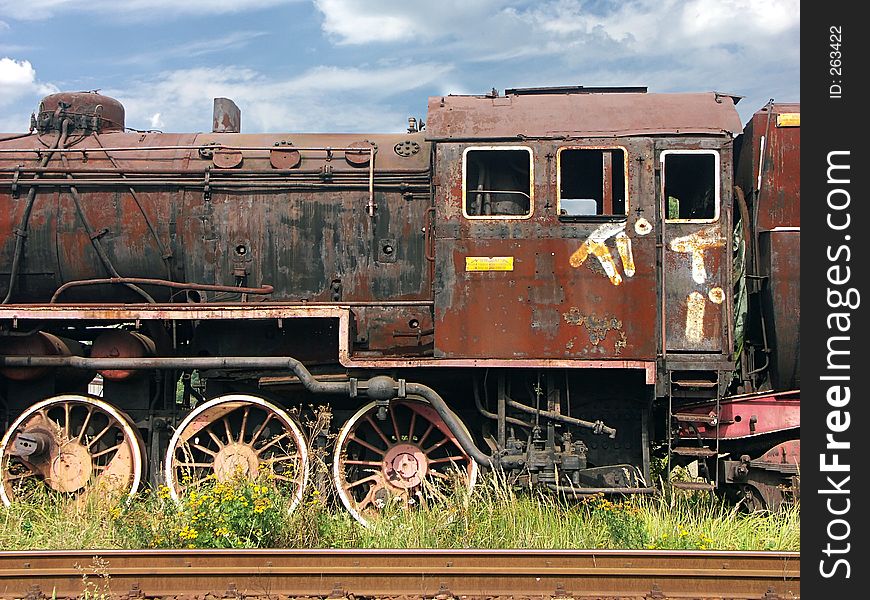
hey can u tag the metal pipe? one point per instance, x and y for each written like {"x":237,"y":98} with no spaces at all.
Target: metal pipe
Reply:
{"x":421,"y":174}
{"x":163,"y":253}
{"x":213,"y":182}
{"x":21,"y":232}
{"x":584,"y":491}
{"x":95,"y":237}
{"x":262,"y":291}
{"x":597,"y":427}
{"x":205,"y":146}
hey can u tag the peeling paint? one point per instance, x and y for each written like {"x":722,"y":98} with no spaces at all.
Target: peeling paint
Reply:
{"x":696,"y":244}
{"x":642,"y":226}
{"x":695,"y":316}
{"x":596,"y":245}
{"x":716,"y":295}
{"x":623,"y":246}
{"x":596,"y":326}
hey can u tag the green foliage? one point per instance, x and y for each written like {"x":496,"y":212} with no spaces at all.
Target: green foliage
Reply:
{"x":253,"y":514}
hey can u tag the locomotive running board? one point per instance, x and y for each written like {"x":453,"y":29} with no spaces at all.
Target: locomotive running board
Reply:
{"x":342,"y":312}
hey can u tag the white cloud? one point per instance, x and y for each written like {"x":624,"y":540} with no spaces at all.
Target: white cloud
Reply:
{"x":156,"y":121}
{"x":509,"y":28}
{"x":320,"y":99}
{"x":196,"y":48}
{"x":130,"y":9}
{"x":18,"y":80}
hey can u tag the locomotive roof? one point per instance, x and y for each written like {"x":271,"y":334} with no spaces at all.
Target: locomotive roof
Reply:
{"x":581,"y":115}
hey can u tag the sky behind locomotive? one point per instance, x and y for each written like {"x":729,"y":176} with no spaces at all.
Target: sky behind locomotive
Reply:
{"x":354,"y":65}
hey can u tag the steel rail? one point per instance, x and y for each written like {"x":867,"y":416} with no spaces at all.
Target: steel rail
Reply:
{"x":413,"y":573}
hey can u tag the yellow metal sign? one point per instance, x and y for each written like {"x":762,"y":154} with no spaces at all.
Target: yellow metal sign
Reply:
{"x":489,"y":263}
{"x":788,"y":120}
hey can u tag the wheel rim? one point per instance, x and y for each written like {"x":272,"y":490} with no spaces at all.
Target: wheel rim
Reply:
{"x":395,"y":459}
{"x":237,"y":435}
{"x":85,"y":443}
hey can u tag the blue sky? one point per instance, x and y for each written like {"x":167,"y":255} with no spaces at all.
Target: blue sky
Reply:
{"x":366,"y":65}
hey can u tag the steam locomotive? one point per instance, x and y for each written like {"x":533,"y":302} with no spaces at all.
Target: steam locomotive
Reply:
{"x":561,"y":283}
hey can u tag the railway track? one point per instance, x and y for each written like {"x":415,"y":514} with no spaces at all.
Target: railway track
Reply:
{"x":433,"y":574}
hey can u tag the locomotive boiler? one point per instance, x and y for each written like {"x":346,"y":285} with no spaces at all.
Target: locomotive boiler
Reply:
{"x":561,"y":283}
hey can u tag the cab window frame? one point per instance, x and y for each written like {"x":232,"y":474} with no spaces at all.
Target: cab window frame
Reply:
{"x":465,"y":190}
{"x":717,"y":183}
{"x":596,"y":217}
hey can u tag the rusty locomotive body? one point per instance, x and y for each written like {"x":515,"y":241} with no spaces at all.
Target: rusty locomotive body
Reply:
{"x":557,"y":282}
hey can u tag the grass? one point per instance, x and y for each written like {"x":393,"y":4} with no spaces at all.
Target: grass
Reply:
{"x":246,"y":514}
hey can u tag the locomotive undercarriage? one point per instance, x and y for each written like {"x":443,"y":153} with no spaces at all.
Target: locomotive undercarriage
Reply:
{"x":170,"y":412}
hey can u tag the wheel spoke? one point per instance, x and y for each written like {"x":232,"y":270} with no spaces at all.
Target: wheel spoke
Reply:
{"x":367,"y":445}
{"x":366,"y":463}
{"x":107,"y":450}
{"x":272,"y":442}
{"x":282,"y":458}
{"x":261,"y":428}
{"x":229,"y":432}
{"x":216,"y":439}
{"x":66,"y":410}
{"x":396,"y":430}
{"x":435,"y":461}
{"x":377,"y":429}
{"x":436,"y":446}
{"x":99,"y":435}
{"x":426,"y":434}
{"x":411,"y":426}
{"x":203,"y":449}
{"x":195,"y":464}
{"x":244,"y":424}
{"x":85,"y":424}
{"x":361,"y":481}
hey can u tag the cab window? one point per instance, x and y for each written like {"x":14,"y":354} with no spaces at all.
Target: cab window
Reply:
{"x":691,"y":185}
{"x":592,"y":182}
{"x":497,"y":182}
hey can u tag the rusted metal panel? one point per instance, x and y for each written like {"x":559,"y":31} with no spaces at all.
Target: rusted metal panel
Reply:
{"x":226,"y":117}
{"x":751,"y":415}
{"x":581,"y":290}
{"x":161,"y":206}
{"x":580,"y":115}
{"x":778,"y":171}
{"x":696,"y":269}
{"x":780,"y":260}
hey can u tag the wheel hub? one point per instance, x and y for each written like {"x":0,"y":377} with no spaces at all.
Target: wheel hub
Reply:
{"x":71,"y":468}
{"x":234,"y":460}
{"x":405,"y":466}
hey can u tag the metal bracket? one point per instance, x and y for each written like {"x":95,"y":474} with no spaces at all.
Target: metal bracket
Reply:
{"x":98,"y":234}
{"x":206,"y":188}
{"x":402,"y":391}
{"x":15,"y":181}
{"x":353,"y":385}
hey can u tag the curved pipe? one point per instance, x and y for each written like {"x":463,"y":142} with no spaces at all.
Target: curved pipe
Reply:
{"x":262,"y":290}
